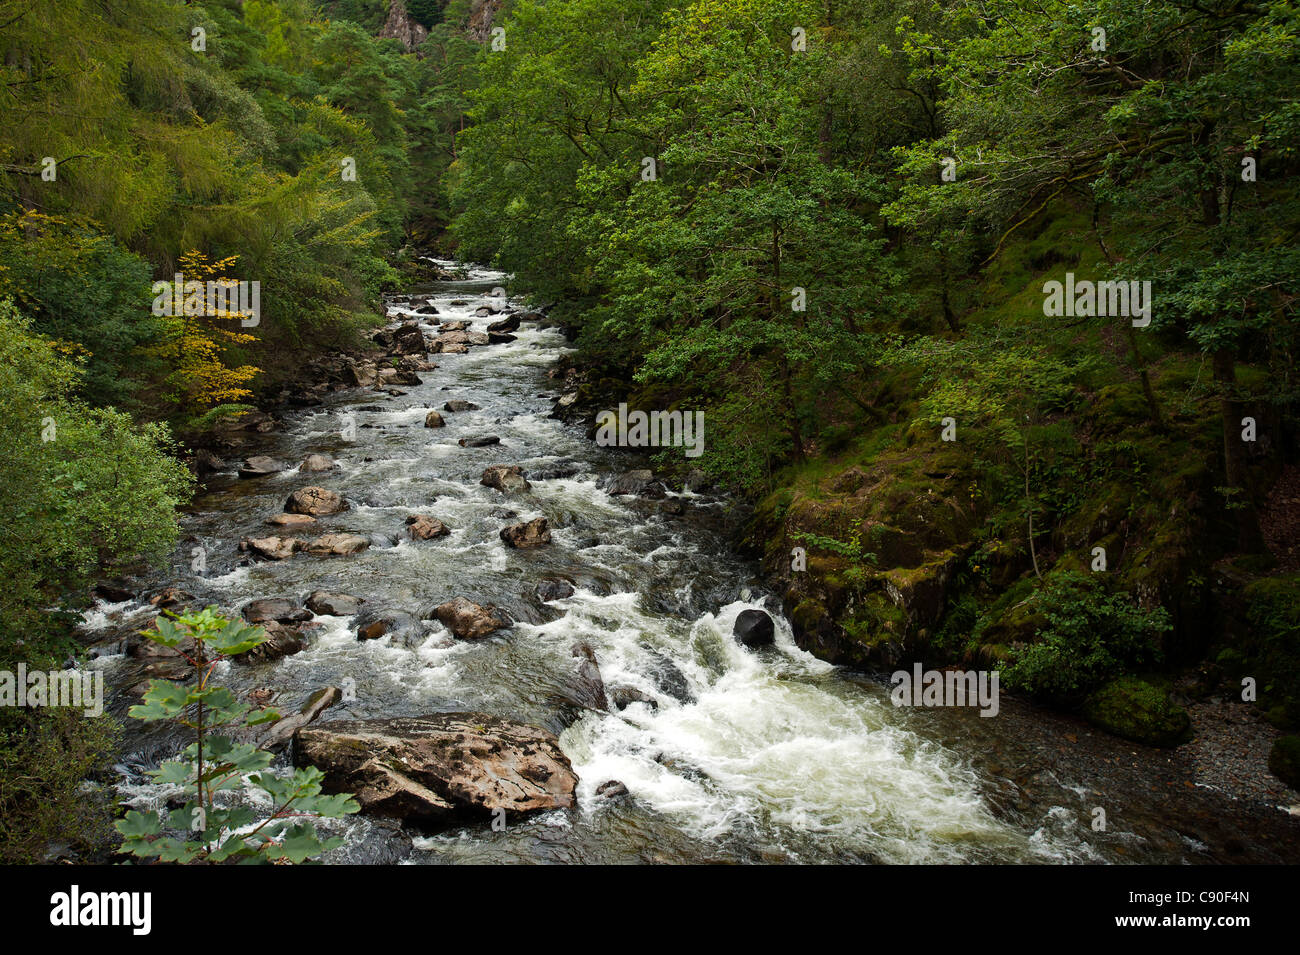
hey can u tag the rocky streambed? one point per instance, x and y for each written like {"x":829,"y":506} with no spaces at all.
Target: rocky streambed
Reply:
{"x":514,"y":645}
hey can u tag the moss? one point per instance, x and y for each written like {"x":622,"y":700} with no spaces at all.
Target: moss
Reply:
{"x":1137,"y":710}
{"x":1284,"y":760}
{"x":808,"y":615}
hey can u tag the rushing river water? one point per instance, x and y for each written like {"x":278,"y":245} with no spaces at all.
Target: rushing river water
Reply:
{"x":768,"y":755}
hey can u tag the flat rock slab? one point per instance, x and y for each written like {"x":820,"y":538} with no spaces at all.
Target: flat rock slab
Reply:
{"x":440,"y":768}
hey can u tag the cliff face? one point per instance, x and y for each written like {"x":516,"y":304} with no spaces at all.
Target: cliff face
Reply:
{"x":400,"y":25}
{"x":481,"y":15}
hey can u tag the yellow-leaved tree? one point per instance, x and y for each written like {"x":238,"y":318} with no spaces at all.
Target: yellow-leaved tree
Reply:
{"x":203,"y":309}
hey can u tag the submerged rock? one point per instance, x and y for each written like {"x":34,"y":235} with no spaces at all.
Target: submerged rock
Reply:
{"x":400,"y":625}
{"x":460,"y":406}
{"x":482,"y":441}
{"x":435,"y":769}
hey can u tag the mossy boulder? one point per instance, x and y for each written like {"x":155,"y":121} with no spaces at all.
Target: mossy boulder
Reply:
{"x":1284,"y":760}
{"x":1134,"y":709}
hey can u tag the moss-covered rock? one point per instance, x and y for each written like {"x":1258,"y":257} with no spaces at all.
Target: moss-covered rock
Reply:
{"x":1284,"y":760}
{"x":1135,"y":709}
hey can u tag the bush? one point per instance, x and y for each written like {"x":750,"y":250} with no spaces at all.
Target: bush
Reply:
{"x":1090,"y":636}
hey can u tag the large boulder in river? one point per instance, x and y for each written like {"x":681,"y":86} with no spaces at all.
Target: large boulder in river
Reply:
{"x":460,"y":406}
{"x":459,"y":338}
{"x":754,"y":628}
{"x":508,"y":324}
{"x":315,"y":501}
{"x":434,"y":420}
{"x":505,"y":478}
{"x":468,"y":620}
{"x":440,"y":768}
{"x":534,"y":533}
{"x":333,"y":605}
{"x":259,"y":465}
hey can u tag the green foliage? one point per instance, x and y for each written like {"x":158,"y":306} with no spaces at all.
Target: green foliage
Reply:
{"x":86,"y":492}
{"x":215,"y":825}
{"x":46,"y":757}
{"x":1091,"y":634}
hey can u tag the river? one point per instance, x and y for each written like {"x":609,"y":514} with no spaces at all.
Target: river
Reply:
{"x":744,"y":756}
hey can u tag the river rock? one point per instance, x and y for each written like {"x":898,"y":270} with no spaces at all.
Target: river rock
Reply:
{"x":316,"y":462}
{"x":434,"y":420}
{"x":409,"y":340}
{"x":426,"y":310}
{"x":460,"y":338}
{"x":754,"y":628}
{"x":421,"y":527}
{"x":206,"y":462}
{"x":336,"y":545}
{"x":113,"y":591}
{"x":534,"y":533}
{"x":260,"y":465}
{"x":640,"y":483}
{"x":272,"y":548}
{"x":624,"y":696}
{"x":468,"y":620}
{"x":456,"y":326}
{"x":505,"y":478}
{"x":554,"y":588}
{"x":611,"y":789}
{"x":587,"y":688}
{"x":333,"y":605}
{"x":437,"y":769}
{"x":401,"y":626}
{"x":281,"y":731}
{"x":508,"y":324}
{"x":281,"y":641}
{"x":362,"y":374}
{"x":460,"y":406}
{"x":451,"y":348}
{"x":500,"y":338}
{"x":481,"y":441}
{"x":279,"y":609}
{"x":290,"y":520}
{"x":315,"y":501}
